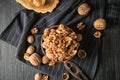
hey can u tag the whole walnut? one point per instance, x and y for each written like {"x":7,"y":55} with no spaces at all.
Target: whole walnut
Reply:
{"x":30,"y":39}
{"x":99,"y":24}
{"x":30,"y":49}
{"x":38,"y":76}
{"x":84,"y":9}
{"x":26,"y":56}
{"x":45,"y":59}
{"x":79,"y":37}
{"x":35,"y":59}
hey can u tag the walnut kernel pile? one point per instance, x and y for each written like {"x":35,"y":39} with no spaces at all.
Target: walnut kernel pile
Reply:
{"x":30,"y":39}
{"x":59,"y":43}
{"x":35,"y":59}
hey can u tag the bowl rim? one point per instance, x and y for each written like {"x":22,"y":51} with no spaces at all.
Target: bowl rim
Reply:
{"x":43,"y":50}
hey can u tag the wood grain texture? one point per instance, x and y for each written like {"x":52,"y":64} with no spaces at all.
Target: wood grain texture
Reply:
{"x":12,"y":69}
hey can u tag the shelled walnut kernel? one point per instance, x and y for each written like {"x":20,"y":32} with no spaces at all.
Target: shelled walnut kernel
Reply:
{"x":34,"y":30}
{"x":80,"y":26}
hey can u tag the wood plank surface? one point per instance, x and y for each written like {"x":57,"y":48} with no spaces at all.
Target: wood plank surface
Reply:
{"x":12,"y":69}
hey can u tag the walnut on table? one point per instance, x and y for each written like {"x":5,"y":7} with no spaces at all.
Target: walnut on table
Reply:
{"x":84,"y":9}
{"x":35,"y":59}
{"x":30,"y":49}
{"x":100,"y":24}
{"x":30,"y":39}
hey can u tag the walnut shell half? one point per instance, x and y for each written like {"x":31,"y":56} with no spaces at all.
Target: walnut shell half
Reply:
{"x":35,"y":59}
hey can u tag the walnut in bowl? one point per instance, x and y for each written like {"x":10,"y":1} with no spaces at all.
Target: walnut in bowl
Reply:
{"x":59,"y":43}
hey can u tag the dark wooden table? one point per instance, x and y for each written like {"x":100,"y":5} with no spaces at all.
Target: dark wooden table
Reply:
{"x":12,"y":69}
